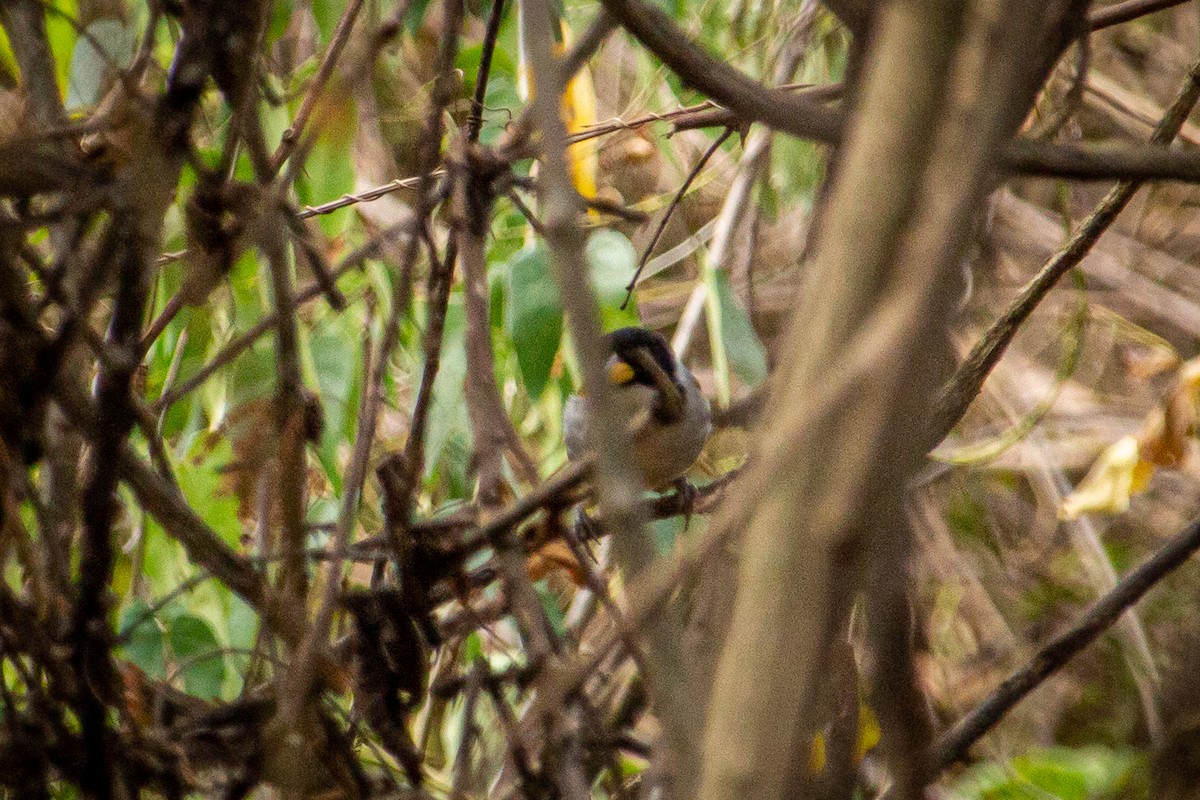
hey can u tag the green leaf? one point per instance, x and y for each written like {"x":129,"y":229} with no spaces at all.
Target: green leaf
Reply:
{"x":8,"y":62}
{"x":1084,"y":772}
{"x":201,"y":484}
{"x":501,"y":88}
{"x":326,"y":13}
{"x":797,"y":171}
{"x":243,"y":623}
{"x":281,"y":14}
{"x":165,"y":564}
{"x":666,"y":532}
{"x":613,"y":262}
{"x":747,"y":356}
{"x":672,"y":7}
{"x":1058,"y":772}
{"x":534,"y":316}
{"x":105,"y":47}
{"x":62,"y":32}
{"x":253,"y":374}
{"x":415,"y":15}
{"x":1059,"y":780}
{"x":554,"y":613}
{"x":335,"y":353}
{"x":198,"y":653}
{"x":328,"y":172}
{"x":447,"y":411}
{"x":472,"y":649}
{"x":146,"y":645}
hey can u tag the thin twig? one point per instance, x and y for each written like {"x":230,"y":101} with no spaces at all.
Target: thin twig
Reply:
{"x":462,"y":758}
{"x":341,"y":35}
{"x":702,"y":115}
{"x":527,"y":213}
{"x":441,"y":273}
{"x":170,"y":311}
{"x":588,"y":44}
{"x":647,"y":595}
{"x":475,"y":120}
{"x":561,"y":490}
{"x":91,"y":657}
{"x":351,"y":488}
{"x":961,"y":389}
{"x":666,"y":217}
{"x":401,"y":301}
{"x":1127,"y":11}
{"x":492,"y":432}
{"x":801,"y":116}
{"x":290,"y":425}
{"x":149,"y":612}
{"x":784,"y":111}
{"x":953,"y":745}
{"x":246,"y":340}
{"x":303,"y":236}
{"x":203,"y":545}
{"x":516,"y":751}
{"x":346,"y":200}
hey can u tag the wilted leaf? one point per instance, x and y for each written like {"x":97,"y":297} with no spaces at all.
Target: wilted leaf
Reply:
{"x":1167,"y":437}
{"x":1118,"y":473}
{"x":555,"y":555}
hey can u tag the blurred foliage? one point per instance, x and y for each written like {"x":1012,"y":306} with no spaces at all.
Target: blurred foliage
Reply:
{"x":1086,"y":773}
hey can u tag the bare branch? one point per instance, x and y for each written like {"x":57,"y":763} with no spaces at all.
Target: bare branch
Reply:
{"x":957,"y":394}
{"x":953,"y":745}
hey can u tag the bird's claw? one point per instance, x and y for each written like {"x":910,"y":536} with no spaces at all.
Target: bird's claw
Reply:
{"x":688,"y":494}
{"x":586,"y":528}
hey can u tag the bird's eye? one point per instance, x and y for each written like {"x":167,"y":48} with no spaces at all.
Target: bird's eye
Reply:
{"x":619,"y":372}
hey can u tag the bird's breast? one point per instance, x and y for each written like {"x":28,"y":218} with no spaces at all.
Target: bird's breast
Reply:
{"x":662,"y":452}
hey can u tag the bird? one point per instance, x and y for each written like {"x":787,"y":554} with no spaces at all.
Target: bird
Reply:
{"x":653,"y":386}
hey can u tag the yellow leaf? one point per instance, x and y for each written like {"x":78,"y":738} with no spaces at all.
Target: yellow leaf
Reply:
{"x":579,"y":110}
{"x":868,"y":736}
{"x":868,"y":731}
{"x":579,"y":113}
{"x":816,"y":759}
{"x":1118,"y":473}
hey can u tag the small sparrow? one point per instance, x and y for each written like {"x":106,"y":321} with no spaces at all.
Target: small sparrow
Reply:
{"x":660,"y":395}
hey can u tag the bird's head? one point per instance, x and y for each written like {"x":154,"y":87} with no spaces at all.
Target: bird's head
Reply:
{"x":642,"y":357}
